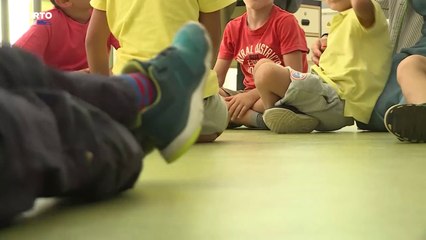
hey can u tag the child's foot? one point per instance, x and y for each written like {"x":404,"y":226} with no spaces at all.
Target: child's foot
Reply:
{"x":407,"y":122}
{"x":173,"y":122}
{"x":282,"y":120}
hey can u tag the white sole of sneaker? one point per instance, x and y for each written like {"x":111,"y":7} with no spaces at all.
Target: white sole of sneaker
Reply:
{"x":190,"y":133}
{"x":388,"y":125}
{"x":281,"y":120}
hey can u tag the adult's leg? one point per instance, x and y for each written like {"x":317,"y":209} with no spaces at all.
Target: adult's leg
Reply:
{"x":112,"y":95}
{"x":56,"y":144}
{"x":172,"y":122}
{"x":53,"y":144}
{"x":19,"y":69}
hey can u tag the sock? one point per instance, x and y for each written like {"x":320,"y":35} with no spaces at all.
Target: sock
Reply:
{"x":145,"y":89}
{"x":256,"y":120}
{"x":259,"y":121}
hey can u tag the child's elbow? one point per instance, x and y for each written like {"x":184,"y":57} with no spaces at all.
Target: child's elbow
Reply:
{"x":90,"y":41}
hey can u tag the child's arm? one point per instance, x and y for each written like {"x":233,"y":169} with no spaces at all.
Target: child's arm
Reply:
{"x":384,"y":5}
{"x":294,"y":60}
{"x":364,"y":10}
{"x":221,"y":68}
{"x":210,"y":22}
{"x":96,"y":43}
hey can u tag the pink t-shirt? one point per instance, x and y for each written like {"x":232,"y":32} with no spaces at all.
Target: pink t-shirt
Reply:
{"x":280,"y":35}
{"x":59,"y":41}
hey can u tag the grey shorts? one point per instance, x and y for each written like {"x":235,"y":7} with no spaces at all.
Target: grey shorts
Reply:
{"x":311,"y":95}
{"x":215,"y":115}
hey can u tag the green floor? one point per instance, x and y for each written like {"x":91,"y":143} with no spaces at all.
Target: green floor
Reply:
{"x":262,"y":186}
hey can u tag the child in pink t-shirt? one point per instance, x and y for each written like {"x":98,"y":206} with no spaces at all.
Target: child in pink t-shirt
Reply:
{"x":58,"y":36}
{"x":264,"y":31}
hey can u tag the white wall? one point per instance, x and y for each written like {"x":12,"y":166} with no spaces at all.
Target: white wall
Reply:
{"x":231,"y":79}
{"x":20,"y":18}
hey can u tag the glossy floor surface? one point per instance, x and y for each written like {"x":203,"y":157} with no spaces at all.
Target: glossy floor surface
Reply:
{"x":258,"y":185}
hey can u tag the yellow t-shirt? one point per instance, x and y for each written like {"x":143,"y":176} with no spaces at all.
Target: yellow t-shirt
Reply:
{"x":357,"y":61}
{"x":145,"y":27}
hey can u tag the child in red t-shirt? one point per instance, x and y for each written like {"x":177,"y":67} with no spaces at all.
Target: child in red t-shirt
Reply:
{"x":264,"y":31}
{"x":58,"y":35}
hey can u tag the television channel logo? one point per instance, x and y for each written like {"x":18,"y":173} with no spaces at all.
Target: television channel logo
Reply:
{"x":42,"y":18}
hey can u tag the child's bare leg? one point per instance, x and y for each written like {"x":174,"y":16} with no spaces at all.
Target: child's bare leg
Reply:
{"x":272,"y":81}
{"x":411,"y":75}
{"x":258,"y":106}
{"x":251,"y":118}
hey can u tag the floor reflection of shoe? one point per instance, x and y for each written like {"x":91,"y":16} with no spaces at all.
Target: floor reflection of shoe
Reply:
{"x":407,"y":122}
{"x":172,"y":124}
{"x":282,"y":120}
{"x":232,"y":125}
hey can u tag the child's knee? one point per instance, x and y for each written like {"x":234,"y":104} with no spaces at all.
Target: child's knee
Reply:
{"x":406,"y":67}
{"x":264,"y":71}
{"x":261,"y":64}
{"x":413,"y":61}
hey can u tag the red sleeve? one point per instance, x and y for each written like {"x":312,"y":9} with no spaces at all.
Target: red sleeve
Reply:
{"x":112,"y":41}
{"x":292,"y":35}
{"x":35,"y":40}
{"x":227,"y":46}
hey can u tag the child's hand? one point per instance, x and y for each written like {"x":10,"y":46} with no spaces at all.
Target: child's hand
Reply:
{"x":238,"y":105}
{"x":318,"y":48}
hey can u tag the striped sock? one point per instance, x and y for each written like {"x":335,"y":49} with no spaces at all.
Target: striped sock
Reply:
{"x":145,"y":89}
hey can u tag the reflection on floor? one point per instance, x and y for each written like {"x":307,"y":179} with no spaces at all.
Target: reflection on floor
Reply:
{"x":256,"y":185}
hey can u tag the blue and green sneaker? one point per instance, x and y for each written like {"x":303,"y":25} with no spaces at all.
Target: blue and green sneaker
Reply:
{"x":173,"y":122}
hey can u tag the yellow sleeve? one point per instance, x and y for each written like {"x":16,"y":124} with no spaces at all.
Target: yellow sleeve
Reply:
{"x":207,"y":6}
{"x":98,"y":4}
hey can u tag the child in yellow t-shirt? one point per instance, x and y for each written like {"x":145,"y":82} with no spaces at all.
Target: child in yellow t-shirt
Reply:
{"x":144,"y":28}
{"x":352,"y":73}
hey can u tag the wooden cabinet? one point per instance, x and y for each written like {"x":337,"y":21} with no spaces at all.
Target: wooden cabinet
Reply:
{"x":309,"y":18}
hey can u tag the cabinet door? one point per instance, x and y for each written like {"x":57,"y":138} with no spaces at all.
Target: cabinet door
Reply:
{"x":309,"y":18}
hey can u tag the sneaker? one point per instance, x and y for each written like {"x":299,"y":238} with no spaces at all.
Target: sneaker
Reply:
{"x":407,"y":122}
{"x":282,"y":120}
{"x":173,"y":122}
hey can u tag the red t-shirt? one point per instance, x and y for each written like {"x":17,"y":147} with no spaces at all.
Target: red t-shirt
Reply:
{"x":59,"y":41}
{"x":280,"y":35}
